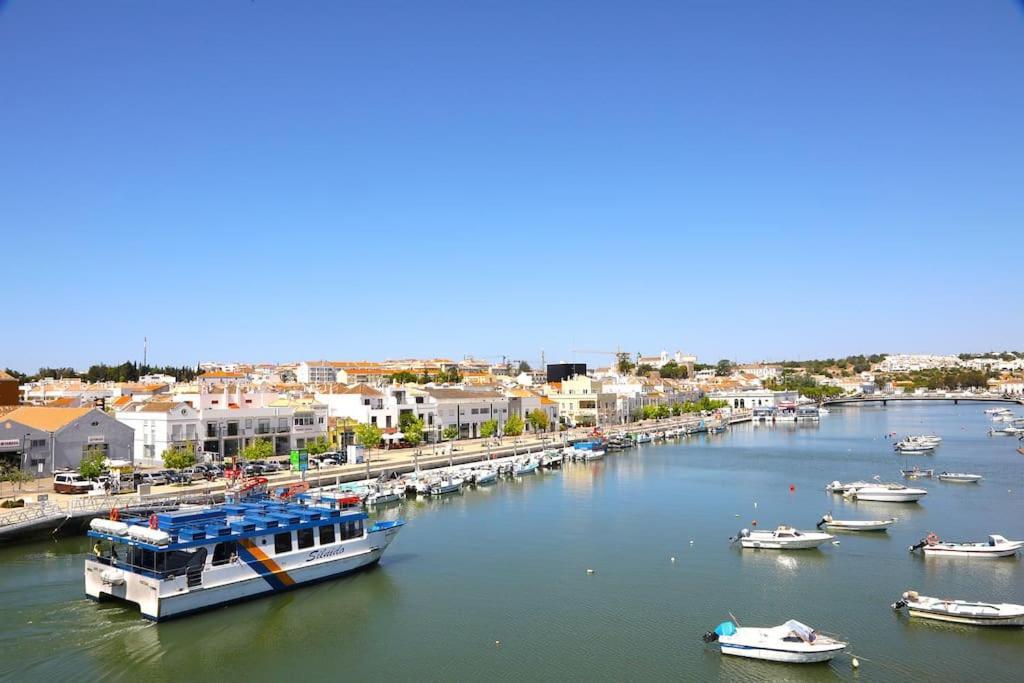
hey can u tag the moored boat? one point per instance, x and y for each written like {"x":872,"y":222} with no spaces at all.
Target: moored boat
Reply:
{"x":883,"y":492}
{"x":791,"y":642}
{"x":961,"y":611}
{"x":782,"y":538}
{"x":996,"y":546}
{"x":855,"y":524}
{"x":960,"y":477}
{"x":177,"y":563}
{"x":917,"y":473}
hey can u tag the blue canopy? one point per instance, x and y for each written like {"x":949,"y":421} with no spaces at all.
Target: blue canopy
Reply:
{"x":726,"y":628}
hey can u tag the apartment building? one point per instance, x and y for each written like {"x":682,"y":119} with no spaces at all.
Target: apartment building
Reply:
{"x":582,"y":401}
{"x":467,"y":410}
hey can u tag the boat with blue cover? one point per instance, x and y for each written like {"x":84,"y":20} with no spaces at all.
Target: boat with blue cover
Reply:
{"x":193,"y":559}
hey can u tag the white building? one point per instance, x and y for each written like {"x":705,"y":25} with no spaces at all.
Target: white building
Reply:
{"x":466,"y":410}
{"x":382,"y":407}
{"x":160,"y":425}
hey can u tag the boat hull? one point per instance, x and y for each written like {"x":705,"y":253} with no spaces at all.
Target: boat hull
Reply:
{"x":981,"y":553}
{"x":859,"y":526}
{"x":971,"y":620}
{"x":788,"y":544}
{"x":775,"y":655}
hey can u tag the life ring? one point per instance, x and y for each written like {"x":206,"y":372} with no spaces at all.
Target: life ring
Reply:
{"x":154,"y":523}
{"x":931,"y":538}
{"x":115,"y":514}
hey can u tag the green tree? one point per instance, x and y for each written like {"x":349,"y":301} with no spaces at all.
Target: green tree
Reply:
{"x":624,"y":365}
{"x":538,"y":420}
{"x":176,"y":458}
{"x":723,"y":368}
{"x":412,"y":431}
{"x":405,"y":377}
{"x":514,"y":425}
{"x":523,"y":367}
{"x":260,"y":449}
{"x":663,"y":411}
{"x":91,"y":465}
{"x":15,"y":475}
{"x":672,"y":370}
{"x":488,"y":429}
{"x":368,"y":436}
{"x":318,"y":446}
{"x":450,"y":432}
{"x":644,"y":369}
{"x":677,"y":409}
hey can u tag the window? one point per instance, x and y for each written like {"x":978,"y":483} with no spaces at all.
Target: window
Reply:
{"x":351,"y":530}
{"x":248,"y":423}
{"x":223,"y":552}
{"x":211,"y":429}
{"x":233,"y":428}
{"x":282,"y":424}
{"x":327,"y":534}
{"x":305,"y":537}
{"x":38,"y":443}
{"x":283,"y":543}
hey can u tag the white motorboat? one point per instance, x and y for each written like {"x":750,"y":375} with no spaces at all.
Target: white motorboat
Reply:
{"x":782,"y":538}
{"x":997,"y":411}
{"x":589,"y":456}
{"x":485,"y":476}
{"x":445,"y":485}
{"x":551,"y":459}
{"x":911,"y":447}
{"x":1003,"y":417}
{"x":383,"y":495}
{"x":644,"y":438}
{"x":855,"y":524}
{"x":997,"y":546}
{"x":524,"y":467}
{"x":917,"y":473}
{"x":1005,"y":431}
{"x":792,"y":642}
{"x":960,"y":477}
{"x":822,"y":410}
{"x":886,"y":493}
{"x":961,"y":611}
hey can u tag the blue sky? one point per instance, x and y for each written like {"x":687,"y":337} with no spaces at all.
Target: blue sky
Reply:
{"x":275,"y":181}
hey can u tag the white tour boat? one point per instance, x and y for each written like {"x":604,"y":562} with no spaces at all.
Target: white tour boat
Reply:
{"x":792,"y":642}
{"x":961,"y":611}
{"x":855,"y":524}
{"x":960,"y":477}
{"x":177,"y":563}
{"x":885,"y":493}
{"x":782,"y":538}
{"x":997,"y":546}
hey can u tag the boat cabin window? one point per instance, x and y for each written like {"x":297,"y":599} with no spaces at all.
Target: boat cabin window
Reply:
{"x":283,"y":542}
{"x":305,"y":537}
{"x":327,"y":534}
{"x":224,"y":552}
{"x":351,"y":530}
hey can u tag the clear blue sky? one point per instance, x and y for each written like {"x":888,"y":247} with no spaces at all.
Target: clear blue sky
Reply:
{"x":279,"y":180}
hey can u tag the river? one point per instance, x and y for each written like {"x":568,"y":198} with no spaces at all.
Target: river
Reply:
{"x":493,"y":585}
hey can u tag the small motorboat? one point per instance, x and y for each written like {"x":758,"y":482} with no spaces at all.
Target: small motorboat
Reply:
{"x":961,"y":611}
{"x":792,"y":642}
{"x":524,"y":467}
{"x":912,"y":447}
{"x":589,"y":456}
{"x":997,"y":546}
{"x":917,"y":473}
{"x":783,"y":538}
{"x":382,"y":495}
{"x":446,"y":485}
{"x":960,"y":477}
{"x":886,"y":493}
{"x":855,"y":524}
{"x":644,"y":438}
{"x":485,"y":476}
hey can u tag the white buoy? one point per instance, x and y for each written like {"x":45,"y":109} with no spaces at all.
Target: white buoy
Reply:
{"x":755,"y":504}
{"x":835,"y":542}
{"x":497,"y":642}
{"x":855,"y":663}
{"x":691,"y":541}
{"x":590,"y":571}
{"x":673,"y":559}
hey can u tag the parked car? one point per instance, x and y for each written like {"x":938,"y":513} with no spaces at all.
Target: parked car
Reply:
{"x":71,"y":482}
{"x":274,"y":466}
{"x":253,"y":469}
{"x":189,"y":475}
{"x":151,"y":478}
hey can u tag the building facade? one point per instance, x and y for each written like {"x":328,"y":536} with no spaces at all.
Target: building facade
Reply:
{"x":42,"y":440}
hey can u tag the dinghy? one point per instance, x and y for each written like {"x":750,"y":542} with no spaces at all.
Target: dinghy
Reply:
{"x":855,"y":524}
{"x":917,"y":473}
{"x":997,"y":546}
{"x":792,"y":642}
{"x":960,"y":477}
{"x":961,"y":611}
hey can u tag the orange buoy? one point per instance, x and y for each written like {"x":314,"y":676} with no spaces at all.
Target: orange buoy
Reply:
{"x":154,"y":523}
{"x":115,"y":514}
{"x":792,"y":488}
{"x":754,"y":523}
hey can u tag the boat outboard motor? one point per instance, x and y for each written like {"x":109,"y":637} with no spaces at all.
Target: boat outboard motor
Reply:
{"x":918,"y":546}
{"x":742,"y":533}
{"x":899,"y":604}
{"x":824,"y":520}
{"x":709,"y":637}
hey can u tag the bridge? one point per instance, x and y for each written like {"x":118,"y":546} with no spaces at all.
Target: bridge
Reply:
{"x":884,"y":399}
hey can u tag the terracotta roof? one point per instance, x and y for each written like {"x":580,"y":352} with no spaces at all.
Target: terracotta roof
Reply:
{"x":62,"y":402}
{"x":220,"y":374}
{"x":46,"y":418}
{"x":5,"y":377}
{"x":157,"y":407}
{"x":121,"y":401}
{"x":463,"y":394}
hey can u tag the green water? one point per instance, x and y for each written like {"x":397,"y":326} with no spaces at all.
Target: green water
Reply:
{"x":509,"y":564}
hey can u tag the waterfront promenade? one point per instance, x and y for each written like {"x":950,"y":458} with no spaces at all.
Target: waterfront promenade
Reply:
{"x":65,"y":512}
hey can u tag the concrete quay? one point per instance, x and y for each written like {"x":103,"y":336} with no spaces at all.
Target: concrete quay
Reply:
{"x":65,"y":514}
